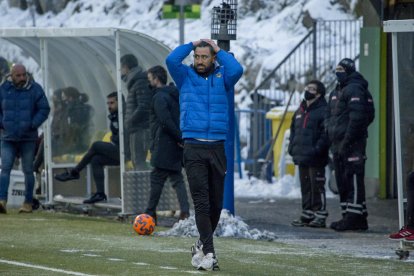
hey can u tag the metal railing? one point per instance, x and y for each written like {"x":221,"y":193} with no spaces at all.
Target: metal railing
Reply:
{"x":314,"y":57}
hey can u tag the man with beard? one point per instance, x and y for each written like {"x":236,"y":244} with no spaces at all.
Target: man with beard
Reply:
{"x":166,"y":148}
{"x":23,"y":108}
{"x":100,"y":154}
{"x":204,"y":125}
{"x":350,"y":111}
{"x":137,"y":109}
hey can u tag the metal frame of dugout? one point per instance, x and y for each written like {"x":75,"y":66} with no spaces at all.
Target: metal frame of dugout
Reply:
{"x":402,"y":37}
{"x":89,"y":59}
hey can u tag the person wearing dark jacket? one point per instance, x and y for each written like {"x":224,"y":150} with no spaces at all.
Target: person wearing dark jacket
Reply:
{"x":204,"y":124}
{"x":100,"y":154}
{"x":23,"y":108}
{"x":166,"y":148}
{"x":137,"y":109}
{"x":348,"y":118}
{"x":309,"y":147}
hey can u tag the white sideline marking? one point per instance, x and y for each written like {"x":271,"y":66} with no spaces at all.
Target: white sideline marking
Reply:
{"x":43,"y":267}
{"x":141,"y":263}
{"x":167,"y":267}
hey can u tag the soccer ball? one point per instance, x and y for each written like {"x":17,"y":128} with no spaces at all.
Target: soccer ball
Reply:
{"x":144,"y":224}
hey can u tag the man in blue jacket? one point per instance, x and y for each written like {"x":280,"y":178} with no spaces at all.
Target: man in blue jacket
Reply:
{"x":23,"y":108}
{"x":204,"y":125}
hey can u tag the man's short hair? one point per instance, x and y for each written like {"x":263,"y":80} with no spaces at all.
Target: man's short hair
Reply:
{"x":113,"y":95}
{"x":160,"y":73}
{"x":320,"y":87}
{"x":129,"y":60}
{"x":203,"y":44}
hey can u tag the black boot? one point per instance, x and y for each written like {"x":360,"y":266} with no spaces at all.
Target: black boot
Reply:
{"x":68,"y":175}
{"x":95,"y":198}
{"x":353,"y":222}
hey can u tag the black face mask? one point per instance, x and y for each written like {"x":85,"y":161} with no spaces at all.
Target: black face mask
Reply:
{"x":309,"y":96}
{"x":340,"y":76}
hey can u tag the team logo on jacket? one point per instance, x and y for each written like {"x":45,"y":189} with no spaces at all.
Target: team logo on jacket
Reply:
{"x":218,"y":75}
{"x":333,"y":97}
{"x":355,"y":99}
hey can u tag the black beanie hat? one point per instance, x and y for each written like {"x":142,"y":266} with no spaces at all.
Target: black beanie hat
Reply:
{"x":348,"y":64}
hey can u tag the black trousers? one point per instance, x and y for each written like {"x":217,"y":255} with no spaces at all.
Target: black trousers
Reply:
{"x":349,"y":175}
{"x":312,"y":186}
{"x":100,"y":154}
{"x":206,"y":168}
{"x":158,"y":178}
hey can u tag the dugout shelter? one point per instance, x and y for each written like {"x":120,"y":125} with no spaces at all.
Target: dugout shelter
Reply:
{"x":87,"y":59}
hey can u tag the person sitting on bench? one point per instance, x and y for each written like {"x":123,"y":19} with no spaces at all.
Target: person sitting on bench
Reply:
{"x":100,"y":154}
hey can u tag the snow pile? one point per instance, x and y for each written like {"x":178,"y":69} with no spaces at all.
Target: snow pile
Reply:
{"x":229,"y":226}
{"x":285,"y":187}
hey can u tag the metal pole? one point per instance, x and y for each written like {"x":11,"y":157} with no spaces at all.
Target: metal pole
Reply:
{"x":181,"y":23}
{"x":32,"y":8}
{"x":47,"y":139}
{"x":397,"y":130}
{"x":120,"y":116}
{"x":228,"y":199}
{"x":314,"y":50}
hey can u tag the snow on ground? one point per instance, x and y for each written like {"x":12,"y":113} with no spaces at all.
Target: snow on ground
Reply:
{"x":229,"y":226}
{"x":287,"y":186}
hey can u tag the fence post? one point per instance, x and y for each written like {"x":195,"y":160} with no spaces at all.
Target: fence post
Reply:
{"x":255,"y":131}
{"x":314,"y":44}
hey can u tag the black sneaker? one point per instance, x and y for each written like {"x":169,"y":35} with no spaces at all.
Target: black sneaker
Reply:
{"x":68,"y":175}
{"x":318,"y":223}
{"x":95,"y":198}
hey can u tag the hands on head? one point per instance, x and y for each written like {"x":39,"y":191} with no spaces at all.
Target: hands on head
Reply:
{"x":209,"y":41}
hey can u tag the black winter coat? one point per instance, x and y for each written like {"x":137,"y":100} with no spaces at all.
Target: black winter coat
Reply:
{"x":114,"y":127}
{"x":165,"y":129}
{"x":347,"y":120}
{"x":138,"y":100}
{"x":309,"y":143}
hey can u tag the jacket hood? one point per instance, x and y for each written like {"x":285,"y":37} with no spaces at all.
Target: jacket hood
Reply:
{"x":9,"y":83}
{"x":169,"y":89}
{"x":355,"y":78}
{"x":134,"y":74}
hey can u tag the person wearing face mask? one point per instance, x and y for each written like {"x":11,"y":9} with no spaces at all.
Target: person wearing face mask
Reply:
{"x":349,"y":114}
{"x":137,"y":109}
{"x":166,"y":148}
{"x":309,"y":149}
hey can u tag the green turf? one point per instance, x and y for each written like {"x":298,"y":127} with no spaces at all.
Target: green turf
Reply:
{"x":102,"y":246}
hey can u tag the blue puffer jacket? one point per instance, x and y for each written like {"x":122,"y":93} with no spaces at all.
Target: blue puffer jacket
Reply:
{"x":203,"y":101}
{"x":22,"y":111}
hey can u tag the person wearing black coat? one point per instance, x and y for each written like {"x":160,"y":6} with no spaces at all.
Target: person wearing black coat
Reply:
{"x":349,"y":114}
{"x":166,"y":148}
{"x":309,"y":149}
{"x":137,"y":109}
{"x":100,"y":154}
